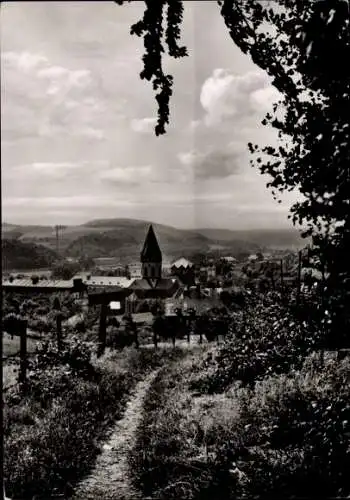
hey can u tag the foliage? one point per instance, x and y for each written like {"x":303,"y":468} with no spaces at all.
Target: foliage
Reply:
{"x":65,"y":270}
{"x":265,"y":338}
{"x":152,"y":30}
{"x":17,"y":254}
{"x":52,"y":432}
{"x":291,"y":435}
{"x":285,"y":438}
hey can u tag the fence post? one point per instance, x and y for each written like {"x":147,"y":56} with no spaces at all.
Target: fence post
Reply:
{"x":59,"y":331}
{"x":282,"y":279}
{"x":102,"y":330}
{"x":23,"y":352}
{"x":155,"y":340}
{"x":299,"y":277}
{"x":136,"y":338}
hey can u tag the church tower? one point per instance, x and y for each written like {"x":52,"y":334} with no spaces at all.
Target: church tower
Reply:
{"x":151,"y":258}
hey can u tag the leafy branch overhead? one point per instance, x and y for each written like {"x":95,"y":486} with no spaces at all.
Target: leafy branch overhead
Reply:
{"x":151,"y":28}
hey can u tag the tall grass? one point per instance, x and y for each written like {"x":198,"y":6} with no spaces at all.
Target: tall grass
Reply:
{"x":53,"y":434}
{"x":286,"y":436}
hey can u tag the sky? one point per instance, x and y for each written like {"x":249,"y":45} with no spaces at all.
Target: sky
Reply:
{"x":77,"y":122}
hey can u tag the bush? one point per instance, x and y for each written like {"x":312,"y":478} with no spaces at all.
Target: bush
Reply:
{"x":292,"y":435}
{"x":265,"y":339}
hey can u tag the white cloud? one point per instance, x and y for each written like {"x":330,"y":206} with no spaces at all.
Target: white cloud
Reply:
{"x":130,"y":174}
{"x":225,"y":95}
{"x":23,"y":61}
{"x":212,"y":163}
{"x":263,"y":99}
{"x":143,"y":125}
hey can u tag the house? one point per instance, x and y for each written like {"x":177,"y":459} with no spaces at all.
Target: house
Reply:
{"x":184,"y":270}
{"x":252,"y":258}
{"x":93,"y":282}
{"x":152,"y":285}
{"x":229,"y":259}
{"x":100,"y":295}
{"x":200,"y":306}
{"x":35,"y":285}
{"x":135,"y":270}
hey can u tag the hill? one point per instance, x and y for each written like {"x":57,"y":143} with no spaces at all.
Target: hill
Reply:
{"x":22,"y":255}
{"x":264,"y":238}
{"x":124,"y":238}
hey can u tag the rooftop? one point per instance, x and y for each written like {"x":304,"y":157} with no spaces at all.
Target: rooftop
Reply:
{"x":43,"y":283}
{"x":182,"y":262}
{"x":162,"y":284}
{"x":114,"y":281}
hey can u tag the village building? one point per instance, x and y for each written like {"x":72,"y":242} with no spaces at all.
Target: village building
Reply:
{"x":184,"y":270}
{"x":152,"y":284}
{"x":36,"y":285}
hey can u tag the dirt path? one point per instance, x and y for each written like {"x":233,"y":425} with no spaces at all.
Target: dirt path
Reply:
{"x":110,"y":478}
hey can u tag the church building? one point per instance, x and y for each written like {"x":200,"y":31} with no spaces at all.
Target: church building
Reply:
{"x":153,"y":285}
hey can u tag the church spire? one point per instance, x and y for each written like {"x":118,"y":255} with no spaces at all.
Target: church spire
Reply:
{"x":151,"y":257}
{"x":151,"y":251}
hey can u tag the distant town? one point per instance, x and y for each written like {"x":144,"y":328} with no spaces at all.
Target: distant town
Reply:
{"x":203,"y":280}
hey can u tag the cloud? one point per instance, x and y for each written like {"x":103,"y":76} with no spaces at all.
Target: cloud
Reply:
{"x":62,"y":79}
{"x":128,"y":175}
{"x":225,"y":95}
{"x":212,"y":164}
{"x":143,"y":125}
{"x":23,"y":61}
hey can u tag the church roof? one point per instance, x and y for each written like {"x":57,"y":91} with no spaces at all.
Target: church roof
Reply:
{"x":162,"y":288}
{"x":151,"y":251}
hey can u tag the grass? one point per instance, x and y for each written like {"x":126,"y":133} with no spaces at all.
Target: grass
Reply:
{"x":285,"y":436}
{"x":53,"y":434}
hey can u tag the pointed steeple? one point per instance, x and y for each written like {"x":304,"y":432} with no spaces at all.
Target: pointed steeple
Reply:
{"x":151,"y":252}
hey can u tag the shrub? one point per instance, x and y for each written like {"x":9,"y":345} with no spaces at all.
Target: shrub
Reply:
{"x":264,"y":339}
{"x":292,"y":435}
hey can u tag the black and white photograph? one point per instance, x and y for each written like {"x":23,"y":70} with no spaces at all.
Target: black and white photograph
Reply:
{"x":175,"y":249}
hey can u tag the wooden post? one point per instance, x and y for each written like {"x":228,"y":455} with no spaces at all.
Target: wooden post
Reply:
{"x":136,"y":338}
{"x":282,"y":279}
{"x":59,"y":331}
{"x":102,"y":330}
{"x":23,"y":352}
{"x":299,"y":277}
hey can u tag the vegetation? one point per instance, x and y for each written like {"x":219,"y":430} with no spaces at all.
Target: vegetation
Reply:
{"x":285,"y":437}
{"x":17,"y":254}
{"x":52,"y":430}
